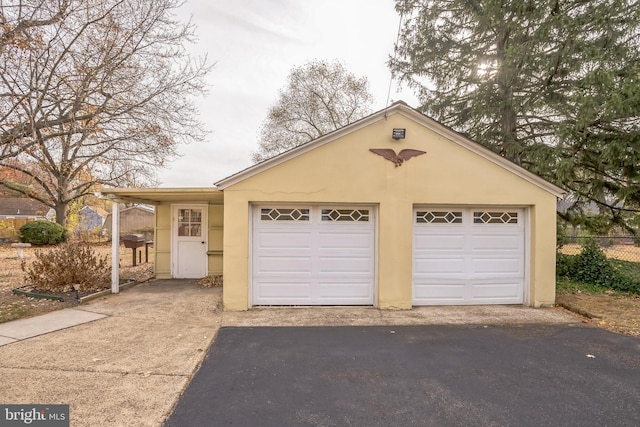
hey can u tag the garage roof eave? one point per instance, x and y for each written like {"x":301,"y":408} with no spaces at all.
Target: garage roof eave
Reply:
{"x":158,"y":196}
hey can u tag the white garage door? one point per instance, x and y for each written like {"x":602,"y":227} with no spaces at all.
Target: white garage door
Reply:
{"x":468,"y":256}
{"x":313,"y":255}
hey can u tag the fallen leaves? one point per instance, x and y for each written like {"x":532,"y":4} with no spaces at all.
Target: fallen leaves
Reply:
{"x":211,"y":281}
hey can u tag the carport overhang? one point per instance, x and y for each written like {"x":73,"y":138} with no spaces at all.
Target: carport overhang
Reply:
{"x":154,"y":197}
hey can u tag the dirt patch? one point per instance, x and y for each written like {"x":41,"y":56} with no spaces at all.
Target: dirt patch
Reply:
{"x":614,"y":312}
{"x":11,"y":276}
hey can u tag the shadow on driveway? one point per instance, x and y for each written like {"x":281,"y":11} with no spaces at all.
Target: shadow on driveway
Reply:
{"x":415,"y":375}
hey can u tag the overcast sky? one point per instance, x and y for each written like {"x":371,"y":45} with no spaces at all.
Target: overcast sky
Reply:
{"x":254,"y":44}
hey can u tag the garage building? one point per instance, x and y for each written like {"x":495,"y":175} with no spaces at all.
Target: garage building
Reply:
{"x":392,"y":211}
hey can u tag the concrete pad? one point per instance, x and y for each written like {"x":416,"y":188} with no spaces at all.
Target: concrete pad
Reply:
{"x":96,"y":399}
{"x":6,"y":340}
{"x":368,"y":316}
{"x":127,"y":369}
{"x":54,"y":321}
{"x":478,"y":315}
{"x":116,"y":344}
{"x":171,"y":300}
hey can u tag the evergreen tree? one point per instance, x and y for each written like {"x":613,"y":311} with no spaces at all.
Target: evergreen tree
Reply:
{"x":552,"y":85}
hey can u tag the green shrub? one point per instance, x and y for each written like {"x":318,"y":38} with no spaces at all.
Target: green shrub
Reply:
{"x":67,"y":266}
{"x":626,"y":268}
{"x":565,"y":265}
{"x":591,"y":265}
{"x":43,"y":233}
{"x":627,"y":276}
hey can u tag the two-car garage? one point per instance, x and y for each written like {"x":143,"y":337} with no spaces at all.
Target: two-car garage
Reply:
{"x":326,"y":255}
{"x":392,"y":211}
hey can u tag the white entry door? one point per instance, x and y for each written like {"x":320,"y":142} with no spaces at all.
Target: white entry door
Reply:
{"x":468,"y":256}
{"x":189,"y":241}
{"x":313,"y":255}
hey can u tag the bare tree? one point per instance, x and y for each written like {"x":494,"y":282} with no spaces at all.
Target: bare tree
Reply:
{"x":17,"y":19}
{"x":319,"y":97}
{"x":100,"y":94}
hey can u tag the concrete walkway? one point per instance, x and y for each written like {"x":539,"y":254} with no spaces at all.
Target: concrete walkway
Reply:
{"x":130,"y":356}
{"x":17,"y":330}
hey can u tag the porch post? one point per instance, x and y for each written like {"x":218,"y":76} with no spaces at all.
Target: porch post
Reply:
{"x":115,"y":248}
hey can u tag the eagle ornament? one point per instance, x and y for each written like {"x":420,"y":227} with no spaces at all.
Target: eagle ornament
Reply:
{"x":397,"y":159}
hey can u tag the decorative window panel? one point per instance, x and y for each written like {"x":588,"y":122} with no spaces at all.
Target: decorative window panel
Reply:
{"x":438,"y":217}
{"x":349,"y":215}
{"x":495,"y":217}
{"x":284,"y":214}
{"x":190,"y":222}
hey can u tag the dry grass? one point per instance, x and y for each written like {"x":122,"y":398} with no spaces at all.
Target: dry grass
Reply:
{"x":621,"y":252}
{"x":615,"y":312}
{"x":11,"y":276}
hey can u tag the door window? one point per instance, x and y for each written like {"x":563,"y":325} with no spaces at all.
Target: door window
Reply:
{"x":189,"y":222}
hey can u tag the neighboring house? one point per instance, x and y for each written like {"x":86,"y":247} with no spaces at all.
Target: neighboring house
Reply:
{"x":134,"y":219}
{"x":23,"y":208}
{"x":16,"y":212}
{"x":392,"y":211}
{"x":91,"y":218}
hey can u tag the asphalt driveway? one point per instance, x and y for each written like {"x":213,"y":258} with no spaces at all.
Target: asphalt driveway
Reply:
{"x":430,"y":375}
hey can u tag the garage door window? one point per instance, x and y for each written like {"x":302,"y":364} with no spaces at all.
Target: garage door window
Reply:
{"x":495,"y":217}
{"x":345,"y":215}
{"x":284,"y":214}
{"x":438,"y":217}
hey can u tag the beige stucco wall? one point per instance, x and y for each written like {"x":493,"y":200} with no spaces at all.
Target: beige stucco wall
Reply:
{"x":162,"y":264}
{"x":162,"y":242}
{"x":345,"y":171}
{"x":216,"y":220}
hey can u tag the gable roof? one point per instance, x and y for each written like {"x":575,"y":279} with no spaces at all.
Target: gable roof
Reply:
{"x":20,"y":206}
{"x":402,"y":108}
{"x":98,"y":211}
{"x":142,"y":208}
